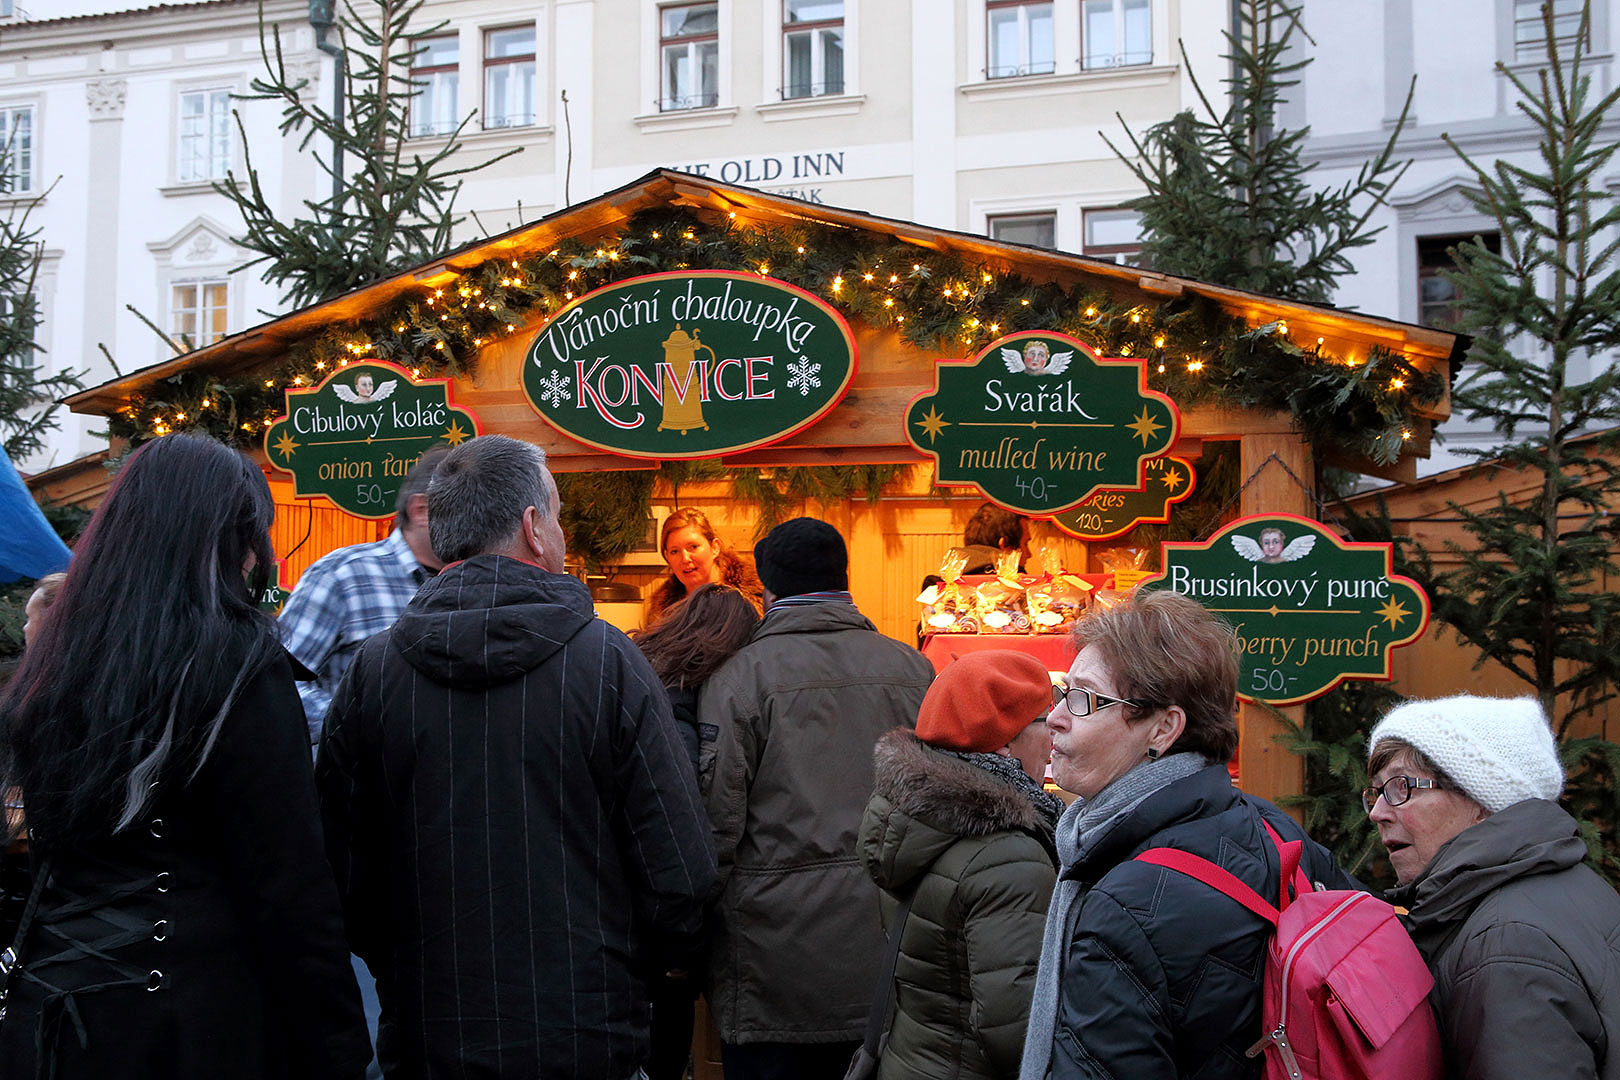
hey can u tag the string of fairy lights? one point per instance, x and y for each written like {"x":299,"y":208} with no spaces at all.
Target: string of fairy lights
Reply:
{"x":1195,"y":351}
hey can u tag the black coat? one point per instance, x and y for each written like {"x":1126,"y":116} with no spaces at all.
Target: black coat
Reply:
{"x":224,"y":898}
{"x":1163,"y":973}
{"x":514,"y":826}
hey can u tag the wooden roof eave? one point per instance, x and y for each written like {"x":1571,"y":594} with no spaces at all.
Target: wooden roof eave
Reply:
{"x":1343,"y":333}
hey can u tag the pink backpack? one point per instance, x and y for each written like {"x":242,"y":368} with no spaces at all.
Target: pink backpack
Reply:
{"x":1346,"y":991}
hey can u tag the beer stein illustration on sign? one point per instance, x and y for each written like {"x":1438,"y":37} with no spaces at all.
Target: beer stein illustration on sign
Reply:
{"x":682,"y":381}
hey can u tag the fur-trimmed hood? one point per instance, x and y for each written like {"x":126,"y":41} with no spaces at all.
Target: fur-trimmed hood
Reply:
{"x":924,"y":801}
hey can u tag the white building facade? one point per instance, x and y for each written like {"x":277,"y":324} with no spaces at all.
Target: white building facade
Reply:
{"x":979,"y":115}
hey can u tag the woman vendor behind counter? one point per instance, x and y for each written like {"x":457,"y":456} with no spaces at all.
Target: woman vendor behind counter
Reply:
{"x":697,"y":557}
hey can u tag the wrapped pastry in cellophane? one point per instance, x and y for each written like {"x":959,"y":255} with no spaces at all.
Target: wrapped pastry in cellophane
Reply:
{"x":951,"y":607}
{"x":1056,"y":602}
{"x":1003,"y":607}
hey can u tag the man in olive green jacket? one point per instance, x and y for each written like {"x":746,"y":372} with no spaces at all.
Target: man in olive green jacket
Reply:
{"x":793,"y":718}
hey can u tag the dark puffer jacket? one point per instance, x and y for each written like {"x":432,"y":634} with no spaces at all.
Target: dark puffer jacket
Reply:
{"x":1524,"y":942}
{"x":1162,"y":975}
{"x":982,"y":863}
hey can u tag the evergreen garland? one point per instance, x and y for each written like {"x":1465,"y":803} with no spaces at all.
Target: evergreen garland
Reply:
{"x":1195,"y":351}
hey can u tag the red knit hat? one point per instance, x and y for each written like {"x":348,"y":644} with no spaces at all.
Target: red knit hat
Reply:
{"x":981,"y":701}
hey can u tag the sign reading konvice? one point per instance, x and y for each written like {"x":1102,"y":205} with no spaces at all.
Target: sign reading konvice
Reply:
{"x":689,"y":364}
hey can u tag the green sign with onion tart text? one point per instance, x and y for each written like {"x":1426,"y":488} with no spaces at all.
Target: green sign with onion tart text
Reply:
{"x":355,"y":436}
{"x":1310,"y":609}
{"x":1039,"y":423}
{"x":1112,"y":513}
{"x":689,"y":364}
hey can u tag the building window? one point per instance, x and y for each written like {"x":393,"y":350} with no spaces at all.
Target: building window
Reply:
{"x":1020,"y":39}
{"x":1530,"y":33}
{"x":1438,"y":303}
{"x":436,"y":77}
{"x":812,"y":48}
{"x":17,"y":150}
{"x":1116,"y":33}
{"x":1115,"y":235}
{"x":689,"y":45}
{"x":198,"y":312}
{"x":1036,"y":230}
{"x":509,"y":77}
{"x":205,"y":136}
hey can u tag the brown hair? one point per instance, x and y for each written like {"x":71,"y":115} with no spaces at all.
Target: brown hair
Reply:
{"x":698,"y":634}
{"x":733,"y":571}
{"x":1388,"y":750}
{"x":990,"y":526}
{"x":1171,"y":650}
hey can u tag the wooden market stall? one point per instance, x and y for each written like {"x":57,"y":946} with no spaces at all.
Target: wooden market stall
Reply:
{"x":474,"y":314}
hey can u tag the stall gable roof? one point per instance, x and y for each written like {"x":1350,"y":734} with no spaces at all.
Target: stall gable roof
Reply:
{"x":664,"y":188}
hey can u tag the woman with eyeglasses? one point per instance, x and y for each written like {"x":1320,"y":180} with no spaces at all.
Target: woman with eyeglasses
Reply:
{"x":1145,"y":971}
{"x":1522,"y":937}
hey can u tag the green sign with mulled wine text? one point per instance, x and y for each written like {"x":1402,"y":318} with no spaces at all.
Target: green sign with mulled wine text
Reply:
{"x":1108,"y":514}
{"x":355,"y":436}
{"x":689,"y":364}
{"x":1039,"y":423}
{"x":1310,"y":609}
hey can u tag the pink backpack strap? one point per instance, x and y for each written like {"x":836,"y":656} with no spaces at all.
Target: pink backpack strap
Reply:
{"x":1289,"y":851}
{"x":1222,"y":881}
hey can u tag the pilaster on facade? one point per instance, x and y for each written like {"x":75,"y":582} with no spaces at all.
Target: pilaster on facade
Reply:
{"x":105,"y":97}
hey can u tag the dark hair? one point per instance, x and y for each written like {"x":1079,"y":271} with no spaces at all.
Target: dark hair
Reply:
{"x":152,"y":637}
{"x":733,"y":571}
{"x":1171,"y":650}
{"x":1388,"y":750}
{"x":698,"y":634}
{"x":479,"y":493}
{"x":990,"y":526}
{"x":417,"y":480}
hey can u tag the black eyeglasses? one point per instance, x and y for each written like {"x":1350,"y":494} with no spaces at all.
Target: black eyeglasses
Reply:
{"x":1396,"y":790}
{"x":1083,"y":702}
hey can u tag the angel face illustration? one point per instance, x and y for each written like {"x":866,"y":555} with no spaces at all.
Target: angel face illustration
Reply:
{"x":1036,"y":359}
{"x":365,"y":390}
{"x":1273,"y":546}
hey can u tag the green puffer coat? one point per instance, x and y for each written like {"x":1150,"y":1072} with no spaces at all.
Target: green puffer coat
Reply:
{"x":982,"y":861}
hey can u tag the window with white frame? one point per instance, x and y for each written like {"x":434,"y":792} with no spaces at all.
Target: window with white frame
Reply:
{"x":1019,"y":39}
{"x":1116,"y":33}
{"x":436,"y":80}
{"x":509,"y":77}
{"x":199,"y":311}
{"x":1439,"y":304}
{"x":1530,"y":32}
{"x":1037,"y":229}
{"x":16,"y":149}
{"x":689,"y":56}
{"x":1114,"y":234}
{"x":812,"y":48}
{"x":205,"y":136}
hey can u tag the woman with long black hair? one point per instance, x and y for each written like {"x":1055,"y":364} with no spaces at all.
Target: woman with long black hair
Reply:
{"x":185,"y":922}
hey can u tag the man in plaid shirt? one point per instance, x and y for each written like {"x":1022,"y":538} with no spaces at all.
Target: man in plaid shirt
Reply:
{"x":354,"y":592}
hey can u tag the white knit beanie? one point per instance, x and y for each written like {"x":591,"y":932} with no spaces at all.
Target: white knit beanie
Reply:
{"x":1500,"y":751}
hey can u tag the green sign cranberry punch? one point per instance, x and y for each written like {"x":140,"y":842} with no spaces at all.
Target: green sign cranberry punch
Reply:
{"x":355,"y":436}
{"x":689,"y":364}
{"x":1310,"y":609}
{"x":1038,"y":422}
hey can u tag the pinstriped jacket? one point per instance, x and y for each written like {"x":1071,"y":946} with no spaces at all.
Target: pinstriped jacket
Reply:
{"x":514,"y":827}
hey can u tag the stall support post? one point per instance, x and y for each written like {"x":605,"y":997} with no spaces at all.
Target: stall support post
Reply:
{"x":1279,"y":477}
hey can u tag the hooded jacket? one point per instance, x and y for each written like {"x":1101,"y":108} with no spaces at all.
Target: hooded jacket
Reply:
{"x":797,"y":712}
{"x":981,"y":860}
{"x":1524,"y":942}
{"x":513,"y":828}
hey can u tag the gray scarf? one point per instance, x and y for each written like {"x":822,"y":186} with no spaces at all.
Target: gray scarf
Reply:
{"x":1046,"y":804}
{"x":1081,"y":828}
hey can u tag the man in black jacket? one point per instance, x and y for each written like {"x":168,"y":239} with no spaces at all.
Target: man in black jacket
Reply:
{"x":516,"y":836}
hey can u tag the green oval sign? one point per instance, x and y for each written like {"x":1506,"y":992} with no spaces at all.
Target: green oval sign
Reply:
{"x":1112,"y":513}
{"x":689,"y":364}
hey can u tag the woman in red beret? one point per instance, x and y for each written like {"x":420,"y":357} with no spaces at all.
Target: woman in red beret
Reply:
{"x":960,"y":822}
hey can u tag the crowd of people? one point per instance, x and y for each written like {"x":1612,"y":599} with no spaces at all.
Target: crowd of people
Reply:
{"x":544,"y":839}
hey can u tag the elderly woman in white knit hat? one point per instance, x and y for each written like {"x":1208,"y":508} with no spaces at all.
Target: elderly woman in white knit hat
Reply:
{"x":1523,"y":939}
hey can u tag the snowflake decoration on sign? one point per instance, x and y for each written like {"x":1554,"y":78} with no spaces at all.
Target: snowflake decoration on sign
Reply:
{"x":802,"y":376}
{"x":554,"y":389}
